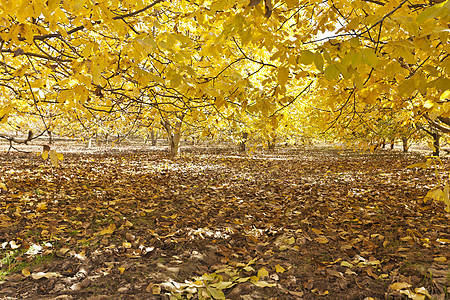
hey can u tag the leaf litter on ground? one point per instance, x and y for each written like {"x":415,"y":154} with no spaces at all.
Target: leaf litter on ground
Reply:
{"x":288,"y":224}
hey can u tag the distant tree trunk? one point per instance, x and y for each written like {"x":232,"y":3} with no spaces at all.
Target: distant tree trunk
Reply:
{"x":436,"y":137}
{"x":50,"y":138}
{"x":383,"y":143}
{"x":154,"y":137}
{"x":243,"y":141}
{"x":392,"y":143}
{"x":271,"y":143}
{"x":174,"y":135}
{"x":405,"y":144}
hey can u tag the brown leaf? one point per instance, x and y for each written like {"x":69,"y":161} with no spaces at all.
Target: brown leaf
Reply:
{"x":18,"y":52}
{"x":254,"y":2}
{"x":269,"y":8}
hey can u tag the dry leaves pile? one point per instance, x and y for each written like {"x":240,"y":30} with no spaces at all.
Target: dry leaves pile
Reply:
{"x":293,"y":224}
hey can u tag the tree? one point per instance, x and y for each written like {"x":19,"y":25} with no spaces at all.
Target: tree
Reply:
{"x":142,"y":63}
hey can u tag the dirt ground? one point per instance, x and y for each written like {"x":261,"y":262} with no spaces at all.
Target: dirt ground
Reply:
{"x":309,"y":223}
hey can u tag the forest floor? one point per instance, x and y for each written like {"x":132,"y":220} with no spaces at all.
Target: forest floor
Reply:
{"x":311,"y":223}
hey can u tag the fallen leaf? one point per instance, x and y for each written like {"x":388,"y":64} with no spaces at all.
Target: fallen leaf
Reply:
{"x":156,"y":289}
{"x":279,"y":269}
{"x":264,"y":284}
{"x":48,"y":275}
{"x":290,"y":241}
{"x":335,"y":273}
{"x":423,"y":291}
{"x":109,"y":230}
{"x":215,"y":293}
{"x":440,"y":259}
{"x":223,"y":285}
{"x":262,"y":273}
{"x":402,"y":249}
{"x":297,"y":294}
{"x":128,"y":224}
{"x":321,"y":239}
{"x":317,"y":231}
{"x":26,"y":272}
{"x":346,"y":264}
{"x":399,"y":286}
{"x":412,"y":295}
{"x":13,"y":245}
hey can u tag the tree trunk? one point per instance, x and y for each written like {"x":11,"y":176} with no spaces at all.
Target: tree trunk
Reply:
{"x":154,"y":137}
{"x":405,"y":144}
{"x":174,"y":135}
{"x":271,"y":144}
{"x":50,"y":138}
{"x":383,"y":143}
{"x":243,"y":141}
{"x":392,"y":144}
{"x":436,"y":136}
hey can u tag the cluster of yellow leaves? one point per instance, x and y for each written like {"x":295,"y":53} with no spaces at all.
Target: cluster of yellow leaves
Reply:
{"x":117,"y":65}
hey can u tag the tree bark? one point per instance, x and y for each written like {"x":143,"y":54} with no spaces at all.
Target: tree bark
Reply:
{"x":271,"y":143}
{"x":50,"y":137}
{"x":436,"y":137}
{"x":405,"y":144}
{"x":154,"y":137}
{"x":174,"y":136}
{"x":243,"y":141}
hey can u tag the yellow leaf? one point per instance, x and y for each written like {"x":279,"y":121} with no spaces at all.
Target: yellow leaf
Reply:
{"x":443,"y":241}
{"x":126,"y":245}
{"x":41,"y":206}
{"x":316,"y":231}
{"x":3,"y":186}
{"x":262,"y":272}
{"x":121,"y":270}
{"x":264,"y":284}
{"x":331,"y":72}
{"x":446,"y":197}
{"x":399,"y":286}
{"x":440,"y":259}
{"x":290,"y":241}
{"x":109,"y":230}
{"x":422,"y":291}
{"x":283,"y":75}
{"x":128,"y":224}
{"x":321,"y":239}
{"x":412,"y":295}
{"x":435,"y":194}
{"x":40,"y":275}
{"x":306,"y":57}
{"x":215,"y":293}
{"x":369,"y":57}
{"x":279,"y":269}
{"x":155,"y":289}
{"x":45,"y":154}
{"x":292,"y":3}
{"x":53,"y":158}
{"x":176,"y":80}
{"x":26,"y":272}
{"x":60,"y":156}
{"x":53,"y":4}
{"x":318,"y":61}
{"x":346,"y":264}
